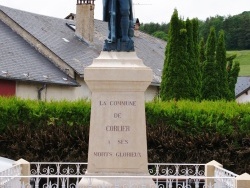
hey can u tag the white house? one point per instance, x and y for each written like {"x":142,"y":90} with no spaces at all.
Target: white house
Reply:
{"x":43,"y":58}
{"x":242,"y":89}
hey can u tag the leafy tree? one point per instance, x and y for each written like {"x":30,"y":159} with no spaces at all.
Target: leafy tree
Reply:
{"x":232,"y":26}
{"x":216,"y":22}
{"x":164,"y":27}
{"x":155,"y":29}
{"x":161,"y":35}
{"x":236,"y":29}
{"x":151,"y":27}
{"x":244,"y":31}
{"x":221,"y":63}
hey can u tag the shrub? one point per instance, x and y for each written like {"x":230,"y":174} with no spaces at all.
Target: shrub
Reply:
{"x":193,"y":118}
{"x":177,"y":132}
{"x":16,"y":112}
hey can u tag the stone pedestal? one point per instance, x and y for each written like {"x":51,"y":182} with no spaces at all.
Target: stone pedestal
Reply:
{"x":117,"y":139}
{"x":25,"y":171}
{"x":210,"y":172}
{"x":243,"y":181}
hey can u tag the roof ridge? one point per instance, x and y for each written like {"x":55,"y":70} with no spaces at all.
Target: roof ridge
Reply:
{"x":35,"y":42}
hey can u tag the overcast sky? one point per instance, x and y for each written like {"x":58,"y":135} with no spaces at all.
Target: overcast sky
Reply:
{"x":146,"y":10}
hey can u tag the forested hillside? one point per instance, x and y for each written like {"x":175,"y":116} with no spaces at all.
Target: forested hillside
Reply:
{"x":236,"y":28}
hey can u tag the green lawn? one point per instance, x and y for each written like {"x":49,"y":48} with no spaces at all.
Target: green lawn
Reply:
{"x":243,"y":57}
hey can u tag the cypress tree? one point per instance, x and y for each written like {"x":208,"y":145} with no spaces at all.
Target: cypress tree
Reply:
{"x":221,"y":63}
{"x":183,"y":85}
{"x":195,"y":23}
{"x":233,"y":70}
{"x":202,"y":57}
{"x":196,"y":77}
{"x":210,"y":89}
{"x":196,"y":51}
{"x":191,"y":61}
{"x":174,"y":75}
{"x":211,"y":45}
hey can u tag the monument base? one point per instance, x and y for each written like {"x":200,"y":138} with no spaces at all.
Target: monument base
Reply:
{"x":117,"y":155}
{"x":117,"y":180}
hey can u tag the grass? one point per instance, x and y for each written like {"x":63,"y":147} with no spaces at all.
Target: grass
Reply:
{"x":243,"y":57}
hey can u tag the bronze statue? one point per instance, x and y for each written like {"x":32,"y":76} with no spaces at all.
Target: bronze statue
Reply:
{"x":119,"y":15}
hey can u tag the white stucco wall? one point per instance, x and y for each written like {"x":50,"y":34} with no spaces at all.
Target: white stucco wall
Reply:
{"x":151,"y":93}
{"x":52,"y":92}
{"x":28,"y":90}
{"x":55,"y":92}
{"x":244,"y":98}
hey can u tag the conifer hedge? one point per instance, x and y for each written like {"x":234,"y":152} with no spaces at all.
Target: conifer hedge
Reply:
{"x":15,"y":112}
{"x":177,"y":132}
{"x":225,"y":118}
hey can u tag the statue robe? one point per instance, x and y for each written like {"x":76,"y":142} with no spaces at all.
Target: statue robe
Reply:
{"x":106,"y":14}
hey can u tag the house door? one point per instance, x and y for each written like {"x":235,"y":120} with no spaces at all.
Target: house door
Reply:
{"x":7,"y":88}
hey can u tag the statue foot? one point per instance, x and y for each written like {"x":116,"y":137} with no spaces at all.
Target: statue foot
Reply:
{"x":119,"y":46}
{"x":125,"y":39}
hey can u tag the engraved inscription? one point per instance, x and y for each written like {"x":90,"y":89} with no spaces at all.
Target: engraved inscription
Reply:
{"x":128,"y":154}
{"x":102,"y":103}
{"x":103,"y":154}
{"x":122,"y":103}
{"x":116,"y":128}
{"x":122,"y":141}
{"x":117,"y":154}
{"x":117,"y":103}
{"x":117,"y":115}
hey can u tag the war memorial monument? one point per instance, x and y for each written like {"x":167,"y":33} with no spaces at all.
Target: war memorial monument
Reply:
{"x":117,"y":80}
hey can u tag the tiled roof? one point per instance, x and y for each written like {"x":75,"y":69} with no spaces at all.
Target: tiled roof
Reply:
{"x":59,"y":38}
{"x":18,"y":58}
{"x":20,"y":61}
{"x":242,"y":85}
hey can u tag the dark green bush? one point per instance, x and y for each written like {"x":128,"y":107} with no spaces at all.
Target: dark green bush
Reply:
{"x":177,"y":132}
{"x":174,"y":146}
{"x":222,"y":117}
{"x":14,"y":112}
{"x":49,"y":143}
